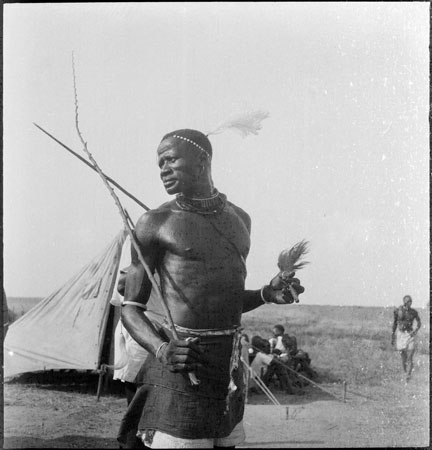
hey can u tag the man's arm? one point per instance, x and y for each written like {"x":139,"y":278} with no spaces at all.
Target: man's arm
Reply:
{"x":178,"y":355}
{"x":418,"y":322}
{"x":138,"y":288}
{"x":395,"y":322}
{"x":276,"y":292}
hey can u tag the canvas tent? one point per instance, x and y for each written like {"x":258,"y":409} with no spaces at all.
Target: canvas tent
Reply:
{"x":73,"y":327}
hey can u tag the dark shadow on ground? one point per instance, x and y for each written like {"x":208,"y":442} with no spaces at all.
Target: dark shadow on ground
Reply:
{"x":287,"y":444}
{"x":61,"y":442}
{"x":86,"y":382}
{"x":82,"y":382}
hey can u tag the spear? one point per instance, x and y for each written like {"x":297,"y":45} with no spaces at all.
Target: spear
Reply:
{"x":92,"y":167}
{"x":192,"y":376}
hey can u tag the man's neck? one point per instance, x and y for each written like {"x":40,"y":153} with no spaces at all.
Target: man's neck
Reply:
{"x":212,"y":203}
{"x":203,"y":191}
{"x":201,"y":195}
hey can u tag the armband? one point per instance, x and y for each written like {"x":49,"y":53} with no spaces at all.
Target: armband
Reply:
{"x":262,"y":296}
{"x":140,"y":305}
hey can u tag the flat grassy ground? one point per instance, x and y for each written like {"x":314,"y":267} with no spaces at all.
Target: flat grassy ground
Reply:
{"x":345,"y":343}
{"x":350,"y":344}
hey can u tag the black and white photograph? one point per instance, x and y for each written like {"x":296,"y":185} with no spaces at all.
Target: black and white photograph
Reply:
{"x":216,"y":225}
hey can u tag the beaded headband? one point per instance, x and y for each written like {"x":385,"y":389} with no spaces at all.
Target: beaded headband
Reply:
{"x":245,"y":124}
{"x":193,"y":143}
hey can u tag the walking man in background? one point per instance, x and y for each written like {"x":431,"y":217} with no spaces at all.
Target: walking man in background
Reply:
{"x":404,"y":334}
{"x":197,"y":244}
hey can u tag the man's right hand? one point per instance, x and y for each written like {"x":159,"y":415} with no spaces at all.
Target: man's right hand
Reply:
{"x":278,"y":289}
{"x":182,"y":355}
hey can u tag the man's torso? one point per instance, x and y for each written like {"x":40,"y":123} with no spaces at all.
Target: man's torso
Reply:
{"x":201,"y":263}
{"x":405,"y":318}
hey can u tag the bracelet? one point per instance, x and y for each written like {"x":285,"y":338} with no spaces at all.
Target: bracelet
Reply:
{"x":140,"y":305}
{"x":159,"y":348}
{"x":262,"y":296}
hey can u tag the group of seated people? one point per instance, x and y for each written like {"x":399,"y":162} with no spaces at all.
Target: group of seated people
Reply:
{"x":277,"y":360}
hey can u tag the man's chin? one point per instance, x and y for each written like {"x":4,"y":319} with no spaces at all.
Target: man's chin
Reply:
{"x":172,"y":190}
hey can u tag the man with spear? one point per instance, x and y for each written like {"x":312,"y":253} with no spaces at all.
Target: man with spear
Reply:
{"x":193,"y":389}
{"x":193,"y":386}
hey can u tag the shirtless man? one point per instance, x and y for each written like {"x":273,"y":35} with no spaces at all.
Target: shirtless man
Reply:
{"x":197,"y":244}
{"x":403,"y":322}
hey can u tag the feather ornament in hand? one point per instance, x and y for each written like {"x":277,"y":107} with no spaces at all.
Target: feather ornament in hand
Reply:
{"x":244,"y":124}
{"x":289,"y":261}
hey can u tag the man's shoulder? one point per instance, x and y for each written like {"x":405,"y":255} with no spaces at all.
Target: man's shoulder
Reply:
{"x":237,"y":208}
{"x":240,"y":212}
{"x":156,"y":216}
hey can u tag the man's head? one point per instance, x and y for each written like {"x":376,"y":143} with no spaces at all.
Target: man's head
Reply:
{"x":407,"y":301}
{"x":278,"y":330}
{"x":184,"y":159}
{"x":260,"y":344}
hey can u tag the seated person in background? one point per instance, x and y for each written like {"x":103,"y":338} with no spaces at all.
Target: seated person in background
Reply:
{"x":266,"y":365}
{"x":296,"y":358}
{"x":302,"y":364}
{"x":257,"y":345}
{"x":282,"y":344}
{"x":276,"y":340}
{"x":260,"y":361}
{"x":290,"y":345}
{"x":285,"y":347}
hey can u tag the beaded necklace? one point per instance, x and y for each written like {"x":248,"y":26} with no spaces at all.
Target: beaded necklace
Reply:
{"x":211,"y":205}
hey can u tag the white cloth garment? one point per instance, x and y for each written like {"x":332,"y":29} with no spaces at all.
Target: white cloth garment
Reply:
{"x":164,"y":440}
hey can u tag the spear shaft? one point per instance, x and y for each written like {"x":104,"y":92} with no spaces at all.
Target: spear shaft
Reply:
{"x":93,"y":167}
{"x":192,"y":377}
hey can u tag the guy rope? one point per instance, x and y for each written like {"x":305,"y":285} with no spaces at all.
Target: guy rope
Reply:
{"x":302,"y":376}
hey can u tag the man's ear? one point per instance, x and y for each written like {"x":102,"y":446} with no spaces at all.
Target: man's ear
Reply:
{"x":202,"y":162}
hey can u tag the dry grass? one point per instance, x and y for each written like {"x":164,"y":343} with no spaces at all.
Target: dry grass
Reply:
{"x":350,"y":343}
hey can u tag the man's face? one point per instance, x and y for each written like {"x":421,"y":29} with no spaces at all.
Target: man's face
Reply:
{"x":179,"y":167}
{"x":407,"y":302}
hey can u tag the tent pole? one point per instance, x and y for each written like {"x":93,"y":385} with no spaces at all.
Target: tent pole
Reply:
{"x":101,"y":371}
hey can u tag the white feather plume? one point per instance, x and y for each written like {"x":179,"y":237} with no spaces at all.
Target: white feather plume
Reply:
{"x":244,"y":123}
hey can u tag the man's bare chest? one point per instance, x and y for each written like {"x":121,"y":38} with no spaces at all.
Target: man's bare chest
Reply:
{"x":406,"y":316}
{"x":199,"y":237}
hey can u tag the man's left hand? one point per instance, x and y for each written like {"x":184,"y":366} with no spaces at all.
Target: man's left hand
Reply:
{"x":278,"y":290}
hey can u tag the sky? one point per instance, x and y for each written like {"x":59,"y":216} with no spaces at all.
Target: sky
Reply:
{"x":342,"y":160}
